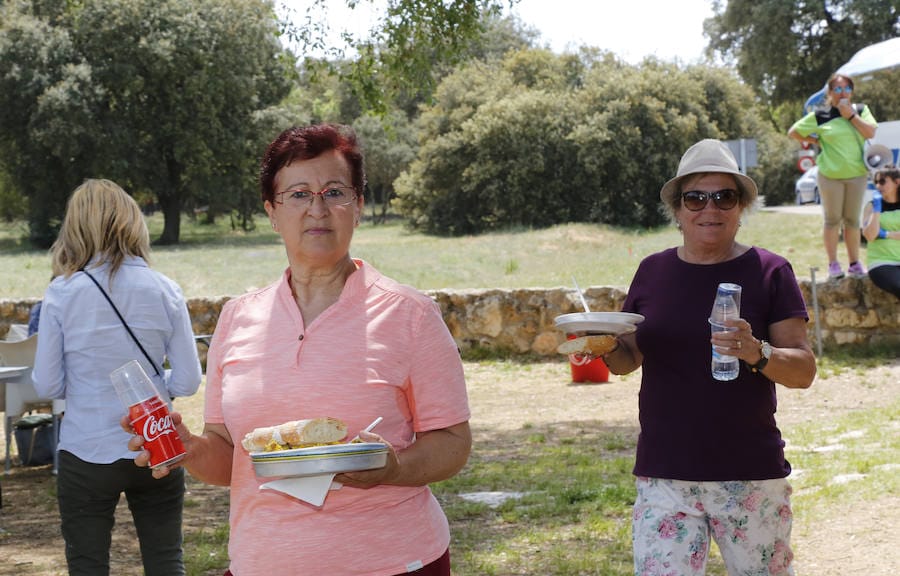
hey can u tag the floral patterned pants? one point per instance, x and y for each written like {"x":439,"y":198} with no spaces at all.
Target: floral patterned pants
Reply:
{"x":750,"y":521}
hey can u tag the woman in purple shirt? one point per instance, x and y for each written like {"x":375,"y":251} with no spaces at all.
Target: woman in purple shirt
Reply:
{"x":710,"y":458}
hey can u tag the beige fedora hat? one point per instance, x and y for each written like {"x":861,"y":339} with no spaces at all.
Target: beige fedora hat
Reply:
{"x":709,"y":156}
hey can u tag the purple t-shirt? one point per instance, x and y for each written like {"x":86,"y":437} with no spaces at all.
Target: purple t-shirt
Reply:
{"x":694,"y":427}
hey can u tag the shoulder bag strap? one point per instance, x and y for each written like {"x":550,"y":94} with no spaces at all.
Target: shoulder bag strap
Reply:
{"x":125,"y":324}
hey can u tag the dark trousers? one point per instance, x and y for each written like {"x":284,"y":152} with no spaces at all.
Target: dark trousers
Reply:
{"x":887,"y":278}
{"x":440,"y":567}
{"x":88,"y":495}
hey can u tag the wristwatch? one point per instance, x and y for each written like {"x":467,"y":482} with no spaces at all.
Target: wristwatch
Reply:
{"x":765,"y":351}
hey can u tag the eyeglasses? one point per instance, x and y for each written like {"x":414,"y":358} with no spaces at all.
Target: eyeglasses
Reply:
{"x":842,"y":89}
{"x":302,"y":199}
{"x":696,"y":200}
{"x":879,"y":181}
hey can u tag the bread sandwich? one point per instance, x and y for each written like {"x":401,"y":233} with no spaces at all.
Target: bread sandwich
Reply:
{"x":295,"y":434}
{"x":596,"y":345}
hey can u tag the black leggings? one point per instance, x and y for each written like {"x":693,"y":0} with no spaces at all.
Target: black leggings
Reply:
{"x":886,"y":277}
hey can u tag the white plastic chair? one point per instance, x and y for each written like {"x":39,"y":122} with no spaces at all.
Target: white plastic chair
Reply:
{"x":17,"y":332}
{"x":20,"y":395}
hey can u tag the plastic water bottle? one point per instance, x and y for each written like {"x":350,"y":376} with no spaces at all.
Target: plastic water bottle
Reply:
{"x":726,"y":307}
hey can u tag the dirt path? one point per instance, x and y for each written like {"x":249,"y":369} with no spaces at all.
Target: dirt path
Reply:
{"x":858,"y":538}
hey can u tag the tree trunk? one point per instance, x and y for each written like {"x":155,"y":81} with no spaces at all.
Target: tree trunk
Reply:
{"x":171,"y":209}
{"x":171,"y":200}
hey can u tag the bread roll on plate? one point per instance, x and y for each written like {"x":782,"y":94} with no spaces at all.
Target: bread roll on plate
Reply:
{"x":596,"y":345}
{"x":295,"y":434}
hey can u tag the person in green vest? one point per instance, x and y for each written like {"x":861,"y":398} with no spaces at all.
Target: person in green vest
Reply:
{"x":840,"y":131}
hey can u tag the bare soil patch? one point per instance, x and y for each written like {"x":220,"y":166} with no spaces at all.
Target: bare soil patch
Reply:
{"x":856,"y":538}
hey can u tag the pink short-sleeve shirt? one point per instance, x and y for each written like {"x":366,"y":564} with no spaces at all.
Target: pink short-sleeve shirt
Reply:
{"x":381,"y":350}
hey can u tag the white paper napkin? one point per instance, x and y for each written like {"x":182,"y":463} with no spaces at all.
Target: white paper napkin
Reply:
{"x":312,"y":489}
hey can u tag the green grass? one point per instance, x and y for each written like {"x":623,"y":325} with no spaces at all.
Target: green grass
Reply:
{"x":865,"y":463}
{"x":577,"y":490}
{"x":575,"y":515}
{"x":214,"y":260}
{"x":207,"y":550}
{"x":854,"y":359}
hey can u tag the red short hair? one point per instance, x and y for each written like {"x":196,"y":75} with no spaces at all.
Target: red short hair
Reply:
{"x":306,"y":143}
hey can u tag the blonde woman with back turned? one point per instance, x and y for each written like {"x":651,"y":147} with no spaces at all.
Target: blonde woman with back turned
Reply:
{"x":104,"y":238}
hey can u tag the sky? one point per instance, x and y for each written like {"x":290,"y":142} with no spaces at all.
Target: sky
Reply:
{"x":667,"y":29}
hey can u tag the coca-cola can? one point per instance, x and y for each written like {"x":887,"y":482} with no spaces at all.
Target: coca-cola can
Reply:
{"x":151,"y":419}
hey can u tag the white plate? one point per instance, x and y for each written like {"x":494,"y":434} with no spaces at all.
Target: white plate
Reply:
{"x":583,"y":328}
{"x":317,"y":460}
{"x":625,"y":317}
{"x":598,"y":322}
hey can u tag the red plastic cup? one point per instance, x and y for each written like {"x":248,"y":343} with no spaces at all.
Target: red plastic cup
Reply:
{"x":587,"y":369}
{"x":148,"y":414}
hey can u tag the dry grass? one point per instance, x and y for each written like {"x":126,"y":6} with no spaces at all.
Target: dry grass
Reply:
{"x":214,"y":261}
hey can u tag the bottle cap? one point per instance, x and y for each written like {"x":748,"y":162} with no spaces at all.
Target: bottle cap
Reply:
{"x":731,"y":289}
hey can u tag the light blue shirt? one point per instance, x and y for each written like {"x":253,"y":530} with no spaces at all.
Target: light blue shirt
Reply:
{"x":81,"y":340}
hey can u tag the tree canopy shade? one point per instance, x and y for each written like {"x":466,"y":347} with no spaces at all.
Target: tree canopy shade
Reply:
{"x":539,"y":139}
{"x":175,"y":100}
{"x":787,"y":49}
{"x":160,"y":95}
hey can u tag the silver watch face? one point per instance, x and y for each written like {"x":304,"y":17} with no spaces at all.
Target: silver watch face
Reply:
{"x":766,"y":349}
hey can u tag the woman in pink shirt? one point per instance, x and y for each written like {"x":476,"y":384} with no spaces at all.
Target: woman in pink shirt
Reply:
{"x":332,"y":337}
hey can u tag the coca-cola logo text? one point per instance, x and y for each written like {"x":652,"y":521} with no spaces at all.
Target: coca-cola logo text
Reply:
{"x":155,"y":427}
{"x":580,"y":359}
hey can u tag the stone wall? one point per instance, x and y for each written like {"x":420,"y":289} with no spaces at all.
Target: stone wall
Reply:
{"x":521,"y":321}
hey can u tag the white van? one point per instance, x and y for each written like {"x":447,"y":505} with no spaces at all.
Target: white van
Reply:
{"x":888,"y":133}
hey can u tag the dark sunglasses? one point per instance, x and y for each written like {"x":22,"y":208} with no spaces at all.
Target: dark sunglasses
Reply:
{"x":879,"y":181}
{"x":696,"y":200}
